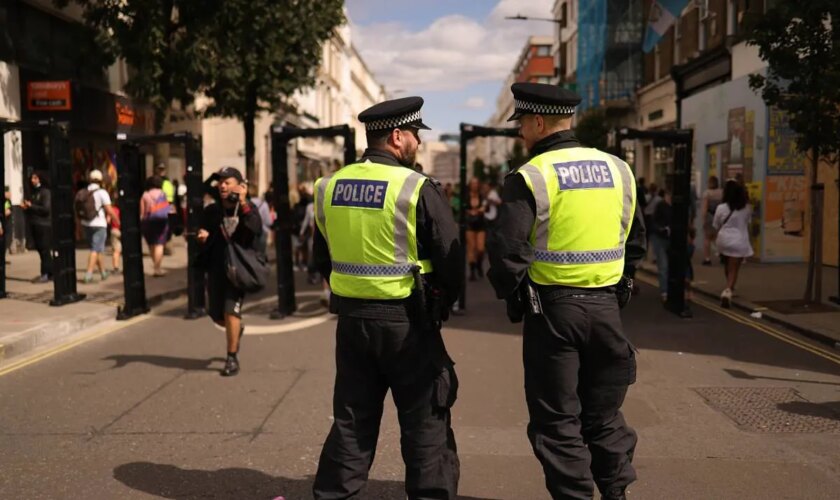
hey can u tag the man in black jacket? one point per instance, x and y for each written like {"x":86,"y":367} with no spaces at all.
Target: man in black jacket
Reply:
{"x":39,"y":213}
{"x":232,"y":217}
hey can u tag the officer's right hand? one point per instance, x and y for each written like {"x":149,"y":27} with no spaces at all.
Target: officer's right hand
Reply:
{"x":202,"y":235}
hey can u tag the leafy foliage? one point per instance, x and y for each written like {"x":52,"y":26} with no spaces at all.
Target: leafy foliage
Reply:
{"x":592,"y":129}
{"x":803,"y":52}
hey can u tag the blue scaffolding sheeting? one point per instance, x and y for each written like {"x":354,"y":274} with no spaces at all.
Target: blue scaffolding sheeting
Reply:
{"x":592,"y":37}
{"x":609,"y":51}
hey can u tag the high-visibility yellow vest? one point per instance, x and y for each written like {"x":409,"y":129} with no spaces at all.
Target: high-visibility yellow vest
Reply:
{"x":584,"y":208}
{"x":168,"y":189}
{"x":368,"y":214}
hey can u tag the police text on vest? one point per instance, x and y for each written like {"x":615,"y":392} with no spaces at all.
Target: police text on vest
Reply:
{"x":584,"y":174}
{"x":359,"y":193}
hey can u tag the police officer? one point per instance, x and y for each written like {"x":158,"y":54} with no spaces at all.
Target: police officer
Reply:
{"x":388,"y":243}
{"x":565,"y":229}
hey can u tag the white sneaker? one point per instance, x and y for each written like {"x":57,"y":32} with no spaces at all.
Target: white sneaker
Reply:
{"x":726,"y":298}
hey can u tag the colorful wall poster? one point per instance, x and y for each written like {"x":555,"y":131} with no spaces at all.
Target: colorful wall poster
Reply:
{"x":784,"y":217}
{"x":782,"y":156}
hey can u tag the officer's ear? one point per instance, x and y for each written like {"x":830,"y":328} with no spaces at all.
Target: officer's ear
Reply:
{"x":539,"y":121}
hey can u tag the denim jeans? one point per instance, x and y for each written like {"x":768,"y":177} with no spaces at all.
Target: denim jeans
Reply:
{"x":660,"y":253}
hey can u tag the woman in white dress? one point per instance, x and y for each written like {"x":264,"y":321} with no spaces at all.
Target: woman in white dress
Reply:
{"x":732,"y":222}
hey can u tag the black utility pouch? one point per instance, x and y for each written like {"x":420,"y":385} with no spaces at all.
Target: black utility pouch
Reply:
{"x":446,"y":388}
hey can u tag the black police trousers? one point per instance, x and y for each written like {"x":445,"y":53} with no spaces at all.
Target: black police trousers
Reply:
{"x":578,"y":365}
{"x":373,"y":356}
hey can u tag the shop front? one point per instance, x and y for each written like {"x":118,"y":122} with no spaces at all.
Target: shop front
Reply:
{"x":96,"y":120}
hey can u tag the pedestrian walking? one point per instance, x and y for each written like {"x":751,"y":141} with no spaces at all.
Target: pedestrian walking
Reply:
{"x":301,"y":233}
{"x":492,"y":200}
{"x":169,"y":191}
{"x":660,"y":238}
{"x":732,"y":223}
{"x":93,"y":207}
{"x":116,"y":241}
{"x":231,"y":219}
{"x":712,"y":197}
{"x":154,"y":221}
{"x":39,"y":212}
{"x":476,"y":229}
{"x":387,"y":241}
{"x":265,"y":218}
{"x":566,"y":227}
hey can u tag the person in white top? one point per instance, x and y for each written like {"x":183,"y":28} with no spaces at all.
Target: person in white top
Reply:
{"x":96,"y":228}
{"x":732,"y":223}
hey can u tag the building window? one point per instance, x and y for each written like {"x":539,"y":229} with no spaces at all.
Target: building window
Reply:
{"x":543,"y":50}
{"x":564,"y":21}
{"x":702,"y":16}
{"x":731,"y":17}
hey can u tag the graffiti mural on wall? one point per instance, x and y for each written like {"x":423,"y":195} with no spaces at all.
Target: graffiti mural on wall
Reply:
{"x":787,"y":192}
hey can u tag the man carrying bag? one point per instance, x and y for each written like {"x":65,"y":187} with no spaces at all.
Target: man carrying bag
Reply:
{"x":229,"y":231}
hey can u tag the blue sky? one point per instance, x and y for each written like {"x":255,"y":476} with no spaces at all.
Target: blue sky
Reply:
{"x":456,"y":54}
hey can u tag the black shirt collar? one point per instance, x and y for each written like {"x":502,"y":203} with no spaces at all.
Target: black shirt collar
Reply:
{"x":380,"y":156}
{"x":558,"y":140}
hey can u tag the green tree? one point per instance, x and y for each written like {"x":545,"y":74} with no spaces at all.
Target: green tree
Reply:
{"x":264,"y":51}
{"x":592,"y":129}
{"x":801,"y":44}
{"x":160,"y":41}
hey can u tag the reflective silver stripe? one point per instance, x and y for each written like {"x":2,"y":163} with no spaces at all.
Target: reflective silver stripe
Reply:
{"x":543,"y":214}
{"x":627,"y":205}
{"x":372,"y":269}
{"x":401,"y":209}
{"x":579,"y":257}
{"x":322,"y":192}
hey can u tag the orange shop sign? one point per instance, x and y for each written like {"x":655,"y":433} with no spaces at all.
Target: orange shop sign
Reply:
{"x":48,"y":96}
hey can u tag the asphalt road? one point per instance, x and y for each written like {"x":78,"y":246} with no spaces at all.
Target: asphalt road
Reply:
{"x":141,"y":412}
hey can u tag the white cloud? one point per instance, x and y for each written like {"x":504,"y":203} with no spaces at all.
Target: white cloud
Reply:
{"x":454,"y":51}
{"x":474,"y":102}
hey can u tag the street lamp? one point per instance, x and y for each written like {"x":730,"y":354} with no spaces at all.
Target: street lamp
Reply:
{"x":558,"y":22}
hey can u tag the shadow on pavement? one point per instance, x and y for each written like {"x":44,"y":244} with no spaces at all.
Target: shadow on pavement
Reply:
{"x":170,"y":481}
{"x":189,"y":364}
{"x":809,"y":409}
{"x":740,"y":374}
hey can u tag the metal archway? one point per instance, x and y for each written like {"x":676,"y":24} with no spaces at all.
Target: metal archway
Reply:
{"x":280,"y":137}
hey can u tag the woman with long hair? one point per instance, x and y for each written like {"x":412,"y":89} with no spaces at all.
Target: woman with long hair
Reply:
{"x":476,"y":228}
{"x":732,"y":222}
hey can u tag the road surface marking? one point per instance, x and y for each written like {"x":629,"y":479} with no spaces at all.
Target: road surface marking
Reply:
{"x":101,"y":332}
{"x":773,"y":332}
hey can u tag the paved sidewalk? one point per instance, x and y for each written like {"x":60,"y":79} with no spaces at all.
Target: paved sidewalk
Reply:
{"x":759,"y":283}
{"x":28,"y":322}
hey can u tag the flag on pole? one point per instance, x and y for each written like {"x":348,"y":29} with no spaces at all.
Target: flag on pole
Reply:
{"x":663,"y":13}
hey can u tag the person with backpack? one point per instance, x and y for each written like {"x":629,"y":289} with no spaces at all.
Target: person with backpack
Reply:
{"x":154,"y":221}
{"x":93,"y":208}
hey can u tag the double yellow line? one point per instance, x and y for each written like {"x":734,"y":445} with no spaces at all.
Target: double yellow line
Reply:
{"x":773,"y":332}
{"x":95,"y":334}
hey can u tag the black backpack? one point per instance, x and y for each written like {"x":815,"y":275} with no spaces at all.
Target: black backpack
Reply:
{"x":84,"y":204}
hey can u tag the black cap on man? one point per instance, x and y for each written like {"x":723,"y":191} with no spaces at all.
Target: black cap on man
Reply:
{"x":542,"y":99}
{"x":392,"y":122}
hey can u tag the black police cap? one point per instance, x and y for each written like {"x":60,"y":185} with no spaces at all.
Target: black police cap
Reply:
{"x":542,"y":99}
{"x":396,"y":113}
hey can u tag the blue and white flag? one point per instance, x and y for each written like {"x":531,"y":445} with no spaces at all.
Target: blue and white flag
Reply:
{"x":663,"y":13}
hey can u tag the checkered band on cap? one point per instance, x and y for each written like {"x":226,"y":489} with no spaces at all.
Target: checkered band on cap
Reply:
{"x":542,"y":109}
{"x":393,"y":122}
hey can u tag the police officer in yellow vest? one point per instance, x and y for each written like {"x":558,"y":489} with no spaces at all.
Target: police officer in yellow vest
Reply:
{"x":389,"y":245}
{"x":565,"y":229}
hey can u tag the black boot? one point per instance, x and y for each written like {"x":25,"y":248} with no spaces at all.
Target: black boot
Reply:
{"x":231,"y":366}
{"x":614,"y":494}
{"x":472,"y":272}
